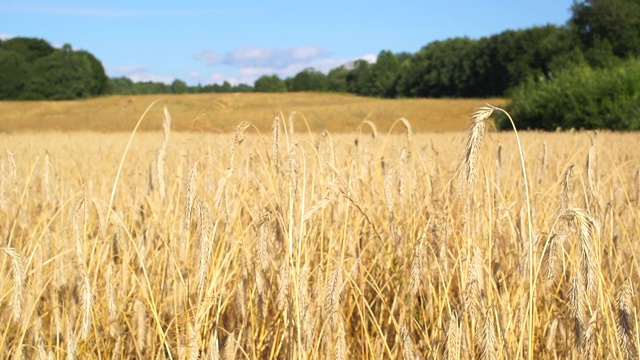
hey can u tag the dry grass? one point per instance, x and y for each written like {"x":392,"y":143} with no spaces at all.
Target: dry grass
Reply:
{"x":271,"y":244}
{"x":222,"y":112}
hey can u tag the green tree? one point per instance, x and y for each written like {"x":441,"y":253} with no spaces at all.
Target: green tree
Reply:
{"x":61,"y":75}
{"x":440,"y":69}
{"x":122,"y":86}
{"x":384,"y":75}
{"x":151,"y":87}
{"x":31,"y":49}
{"x":532,"y":51}
{"x":179,"y":87}
{"x":309,"y":80}
{"x":243,"y":88}
{"x":226,"y":87}
{"x":99,"y":81}
{"x":337,"y":79}
{"x":403,"y":56}
{"x":15,"y":73}
{"x":616,"y":21}
{"x":268,"y":83}
{"x":580,"y":97}
{"x":359,"y":78}
{"x":461,"y":67}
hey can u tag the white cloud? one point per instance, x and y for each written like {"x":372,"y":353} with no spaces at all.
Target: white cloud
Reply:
{"x":370,"y":58}
{"x":124,"y":70}
{"x":259,"y":56}
{"x":249,"y":55}
{"x":251,"y":62}
{"x":323,"y":65}
{"x":5,"y":36}
{"x":194,"y":74}
{"x":150,"y":77}
{"x":220,"y":78}
{"x":306,"y":52}
{"x":137,"y":73}
{"x":211,"y":57}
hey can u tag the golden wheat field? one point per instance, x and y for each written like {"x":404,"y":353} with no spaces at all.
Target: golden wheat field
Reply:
{"x":297,"y":243}
{"x":220,"y":113}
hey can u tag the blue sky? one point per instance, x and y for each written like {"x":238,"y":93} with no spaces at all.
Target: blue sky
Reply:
{"x":209,"y":42}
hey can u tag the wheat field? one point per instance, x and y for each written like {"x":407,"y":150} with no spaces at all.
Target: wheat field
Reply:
{"x":298,"y":244}
{"x":220,"y":113}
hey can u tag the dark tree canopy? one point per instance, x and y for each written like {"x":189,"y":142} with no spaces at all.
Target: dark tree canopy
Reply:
{"x":33,"y":69}
{"x":614,"y":21}
{"x":271,"y":83}
{"x":309,"y":80}
{"x":15,"y":73}
{"x":31,"y":49}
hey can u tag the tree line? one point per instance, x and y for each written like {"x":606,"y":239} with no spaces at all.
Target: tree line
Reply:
{"x":599,"y":36}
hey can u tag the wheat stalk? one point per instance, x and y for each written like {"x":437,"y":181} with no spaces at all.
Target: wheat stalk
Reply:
{"x":230,"y":348}
{"x":46,"y":169}
{"x":625,"y":321}
{"x":70,"y":341}
{"x":86,"y":304}
{"x":415,"y":279}
{"x":566,"y":189}
{"x":488,"y":340}
{"x":190,"y":195}
{"x":275,"y":142}
{"x":577,"y":311}
{"x":372,"y":126}
{"x":587,"y":230}
{"x":332,"y":300}
{"x":194,"y":349}
{"x":408,"y":348}
{"x":213,"y":351}
{"x":18,"y":276}
{"x":140,"y":311}
{"x":468,"y":171}
{"x":452,"y":347}
{"x":236,"y":139}
{"x":407,"y":125}
{"x":206,"y":245}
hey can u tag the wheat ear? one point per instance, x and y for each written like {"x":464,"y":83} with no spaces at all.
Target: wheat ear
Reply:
{"x":408,"y":348}
{"x":625,"y":321}
{"x":452,"y":347}
{"x":18,"y":276}
{"x":230,"y":347}
{"x":468,"y":171}
{"x":86,"y":304}
{"x":275,"y":128}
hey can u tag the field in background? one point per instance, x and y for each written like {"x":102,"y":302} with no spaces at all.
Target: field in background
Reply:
{"x":222,"y":112}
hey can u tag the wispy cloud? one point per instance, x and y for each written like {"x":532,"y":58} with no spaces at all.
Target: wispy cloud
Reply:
{"x":323,"y":65}
{"x":137,"y":73}
{"x":211,"y":57}
{"x":125,"y":69}
{"x":194,"y":75}
{"x":259,"y":56}
{"x":251,"y":62}
{"x":220,"y":78}
{"x":151,"y":77}
{"x":370,"y":58}
{"x":114,"y":12}
{"x":5,"y":36}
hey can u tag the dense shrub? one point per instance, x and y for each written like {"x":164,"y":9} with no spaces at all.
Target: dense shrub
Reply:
{"x":581,"y":97}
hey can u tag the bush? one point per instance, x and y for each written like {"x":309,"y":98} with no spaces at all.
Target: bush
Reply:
{"x":581,"y":97}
